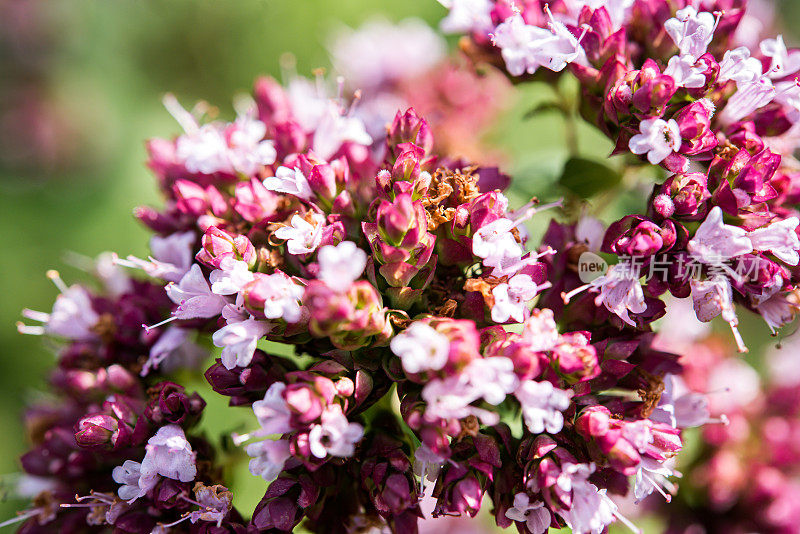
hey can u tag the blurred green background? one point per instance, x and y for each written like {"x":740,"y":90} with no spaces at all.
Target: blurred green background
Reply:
{"x":98,"y":70}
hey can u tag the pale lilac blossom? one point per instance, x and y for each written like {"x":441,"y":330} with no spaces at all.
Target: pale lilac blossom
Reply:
{"x":715,"y":242}
{"x":268,"y":458}
{"x":739,"y":66}
{"x":194,"y":296}
{"x":525,"y":48}
{"x":511,"y":298}
{"x":778,"y":238}
{"x":231,"y":277}
{"x":534,"y":514}
{"x":783,"y":61}
{"x":239,"y":340}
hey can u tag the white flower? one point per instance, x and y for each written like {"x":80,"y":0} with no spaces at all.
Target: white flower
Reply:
{"x":341,"y":265}
{"x":783,"y":61}
{"x":658,"y":139}
{"x":542,"y":404}
{"x":272,"y":412}
{"x":714,"y":242}
{"x":239,"y":340}
{"x":194,"y":297}
{"x":291,"y":182}
{"x":467,"y":16}
{"x":525,"y":47}
{"x":590,"y":231}
{"x":334,"y":436}
{"x":231,"y":277}
{"x":534,"y":514}
{"x":691,"y":31}
{"x":302,"y":236}
{"x":779,"y":238}
{"x":427,"y":464}
{"x":421,"y":348}
{"x":686,"y":72}
{"x":268,"y":458}
{"x":511,"y":299}
{"x":737,"y":65}
{"x":777,"y":311}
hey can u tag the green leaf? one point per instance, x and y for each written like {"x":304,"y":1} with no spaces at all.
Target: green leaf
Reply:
{"x":544,"y":107}
{"x":586,"y":177}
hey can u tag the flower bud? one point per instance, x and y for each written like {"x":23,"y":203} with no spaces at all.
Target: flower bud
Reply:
{"x":218,"y":244}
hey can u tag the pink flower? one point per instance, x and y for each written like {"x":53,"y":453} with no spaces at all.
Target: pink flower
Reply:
{"x":381,"y":53}
{"x":341,"y":265}
{"x":194,"y":297}
{"x":334,"y":436}
{"x":542,"y":404}
{"x":658,"y":139}
{"x":592,"y":510}
{"x":421,"y":348}
{"x":238,"y":341}
{"x":302,"y":236}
